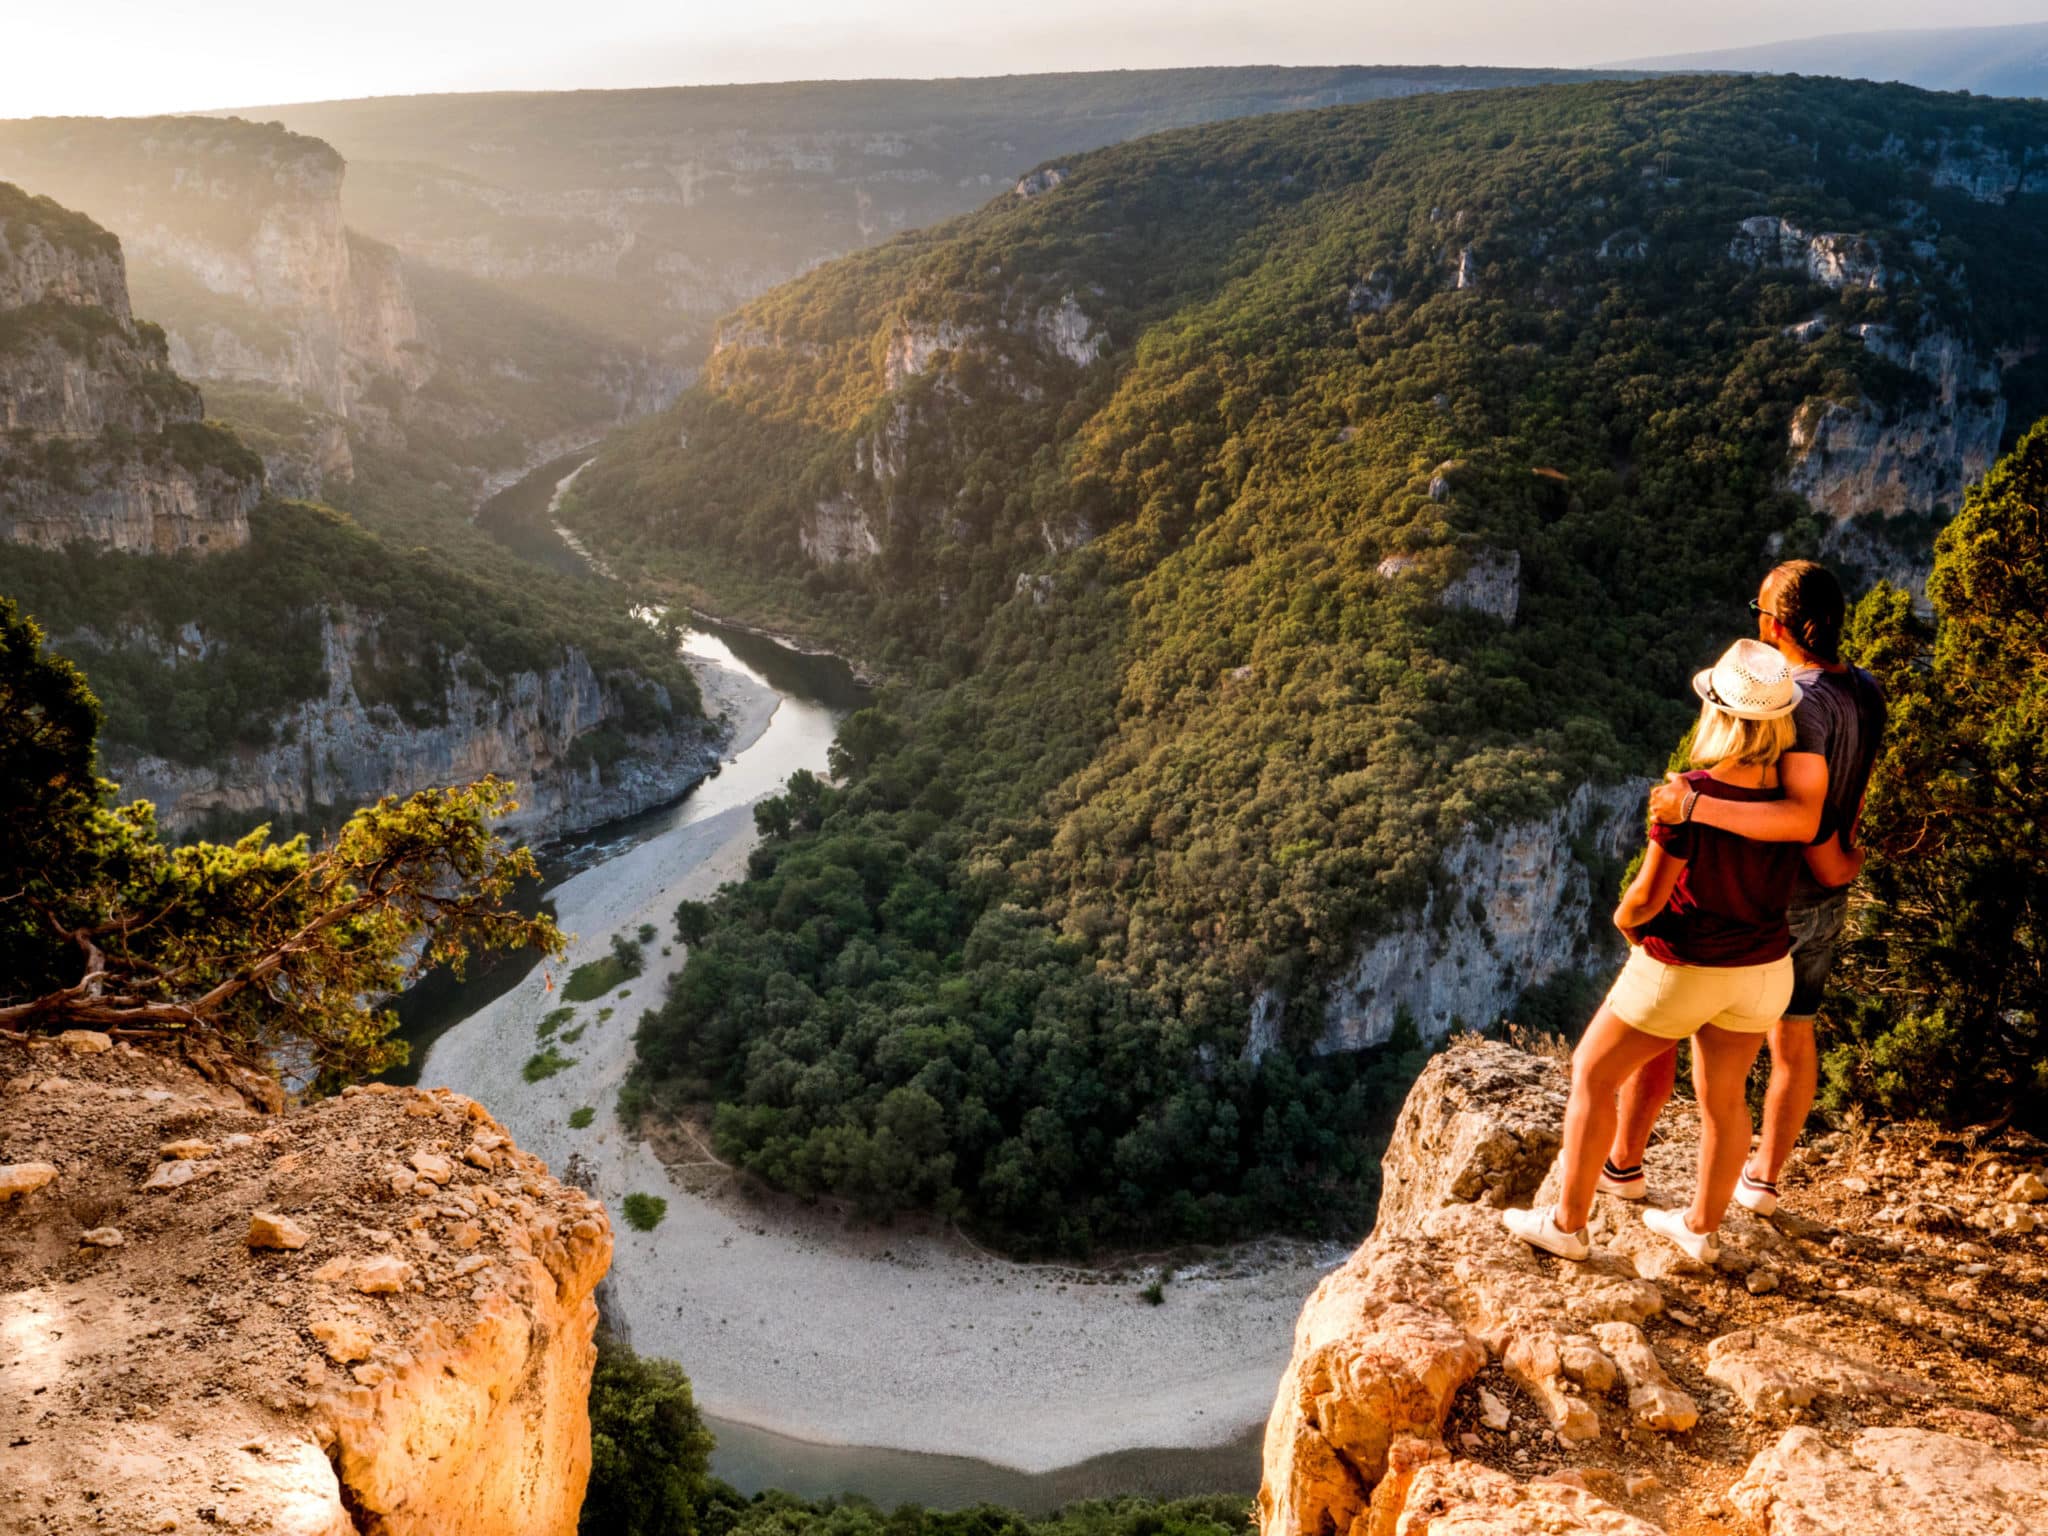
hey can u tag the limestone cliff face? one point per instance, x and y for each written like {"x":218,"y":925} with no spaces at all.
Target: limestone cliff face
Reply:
{"x":236,"y":233}
{"x":334,"y":753}
{"x":1019,"y":352}
{"x":370,"y":1317}
{"x":1854,"y":460}
{"x":1447,"y":1379}
{"x":1857,"y":458}
{"x":102,"y":442}
{"x":1516,"y":908}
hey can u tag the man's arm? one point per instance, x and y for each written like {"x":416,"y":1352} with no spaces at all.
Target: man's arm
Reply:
{"x":1833,"y":863}
{"x":1794,"y":819}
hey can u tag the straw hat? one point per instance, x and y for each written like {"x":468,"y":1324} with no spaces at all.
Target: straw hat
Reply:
{"x":1751,"y":681}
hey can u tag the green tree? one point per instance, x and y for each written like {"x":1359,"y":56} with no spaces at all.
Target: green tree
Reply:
{"x":693,"y":921}
{"x":650,"y":1454}
{"x":1946,"y":984}
{"x":265,"y":945}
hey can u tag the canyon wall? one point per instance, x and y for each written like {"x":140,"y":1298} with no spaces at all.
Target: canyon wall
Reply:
{"x":372,"y":1316}
{"x":331,"y":754}
{"x":235,"y":232}
{"x":1516,"y":906}
{"x":319,"y":340}
{"x":1864,"y":460}
{"x":1855,"y":1362}
{"x":104,"y":442}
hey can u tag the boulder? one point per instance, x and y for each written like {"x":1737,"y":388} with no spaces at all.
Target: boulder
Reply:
{"x":18,"y":1179}
{"x":1776,"y":1371}
{"x":1656,"y":1401}
{"x":87,"y":1042}
{"x":1912,"y":1481}
{"x":269,"y":1230}
{"x":1463,"y":1498}
{"x":432,"y":1165}
{"x":385,"y":1274}
{"x":344,"y":1338}
{"x":175,"y":1175}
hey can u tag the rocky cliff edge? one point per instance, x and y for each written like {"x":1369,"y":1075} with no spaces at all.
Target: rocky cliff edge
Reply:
{"x":372,"y":1315}
{"x":1870,"y":1359}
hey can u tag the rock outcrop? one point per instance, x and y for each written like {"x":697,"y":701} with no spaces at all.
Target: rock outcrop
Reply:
{"x":1522,"y":910}
{"x":1857,"y":458}
{"x":1450,"y":1379}
{"x":1831,"y":259}
{"x":331,"y":754}
{"x":839,"y":531}
{"x":100,"y":442}
{"x":236,"y":232}
{"x":308,"y":1334}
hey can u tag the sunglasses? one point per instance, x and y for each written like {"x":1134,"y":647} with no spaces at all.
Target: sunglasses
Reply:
{"x":1760,"y":610}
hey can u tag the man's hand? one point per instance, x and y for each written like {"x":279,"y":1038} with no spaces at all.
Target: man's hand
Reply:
{"x":1667,"y":800}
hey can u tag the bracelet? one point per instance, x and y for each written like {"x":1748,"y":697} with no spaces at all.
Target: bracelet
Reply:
{"x":1692,"y":798}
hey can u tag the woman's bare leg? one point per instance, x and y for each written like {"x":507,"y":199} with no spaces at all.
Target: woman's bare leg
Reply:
{"x":1721,"y":1059}
{"x":1643,"y":1098}
{"x":1608,"y":1055}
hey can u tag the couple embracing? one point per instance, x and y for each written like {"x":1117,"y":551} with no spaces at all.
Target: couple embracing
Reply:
{"x":1733,"y":922}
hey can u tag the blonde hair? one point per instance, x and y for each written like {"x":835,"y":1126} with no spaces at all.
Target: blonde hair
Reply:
{"x":1722,"y":737}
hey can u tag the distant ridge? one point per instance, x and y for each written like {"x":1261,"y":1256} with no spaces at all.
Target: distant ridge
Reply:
{"x":1991,"y":61}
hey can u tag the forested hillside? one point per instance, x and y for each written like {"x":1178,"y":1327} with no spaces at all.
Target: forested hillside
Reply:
{"x":648,"y":214}
{"x":1270,"y":527}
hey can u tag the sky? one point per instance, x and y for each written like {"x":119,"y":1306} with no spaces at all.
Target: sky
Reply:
{"x":123,"y":57}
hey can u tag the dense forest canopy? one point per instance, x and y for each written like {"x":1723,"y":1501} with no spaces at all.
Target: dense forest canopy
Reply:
{"x":1247,"y":514}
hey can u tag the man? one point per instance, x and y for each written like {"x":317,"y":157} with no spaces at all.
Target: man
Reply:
{"x":1837,"y":729}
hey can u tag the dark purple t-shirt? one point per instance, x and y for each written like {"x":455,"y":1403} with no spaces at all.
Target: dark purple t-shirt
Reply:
{"x":1728,"y":907}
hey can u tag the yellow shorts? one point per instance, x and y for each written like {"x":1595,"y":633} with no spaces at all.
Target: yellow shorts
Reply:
{"x":1673,"y":1002}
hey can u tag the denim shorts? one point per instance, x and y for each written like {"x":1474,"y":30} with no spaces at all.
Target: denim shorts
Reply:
{"x":1816,"y":935}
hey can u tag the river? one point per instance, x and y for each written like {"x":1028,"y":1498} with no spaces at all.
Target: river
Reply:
{"x":899,"y":1364}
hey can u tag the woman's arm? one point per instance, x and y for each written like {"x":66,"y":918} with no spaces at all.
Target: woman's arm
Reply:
{"x":1648,"y":892}
{"x":1833,"y":864}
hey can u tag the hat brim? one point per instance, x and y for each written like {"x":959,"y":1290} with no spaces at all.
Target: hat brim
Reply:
{"x":1703,"y":685}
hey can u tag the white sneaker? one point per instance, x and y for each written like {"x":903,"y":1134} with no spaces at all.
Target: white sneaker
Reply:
{"x":1623,"y":1186}
{"x":1756,"y":1194}
{"x":1672,"y":1225}
{"x":1539,"y":1229}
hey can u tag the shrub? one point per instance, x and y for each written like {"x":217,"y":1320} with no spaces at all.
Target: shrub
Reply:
{"x":644,"y":1212}
{"x":544,"y":1064}
{"x":579,"y":1119}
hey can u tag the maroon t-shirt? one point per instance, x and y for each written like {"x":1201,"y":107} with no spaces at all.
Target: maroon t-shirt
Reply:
{"x":1728,"y":907}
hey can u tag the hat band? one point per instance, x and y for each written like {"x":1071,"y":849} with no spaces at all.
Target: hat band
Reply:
{"x":1714,"y":697}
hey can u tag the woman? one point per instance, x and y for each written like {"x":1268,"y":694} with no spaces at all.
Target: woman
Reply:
{"x":1706,"y":918}
{"x":1837,"y":729}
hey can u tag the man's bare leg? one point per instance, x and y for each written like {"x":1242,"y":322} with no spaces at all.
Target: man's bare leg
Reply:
{"x":1642,"y":1100}
{"x":1795,"y":1078}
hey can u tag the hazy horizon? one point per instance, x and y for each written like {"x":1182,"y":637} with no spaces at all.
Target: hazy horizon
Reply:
{"x":130,"y":58}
